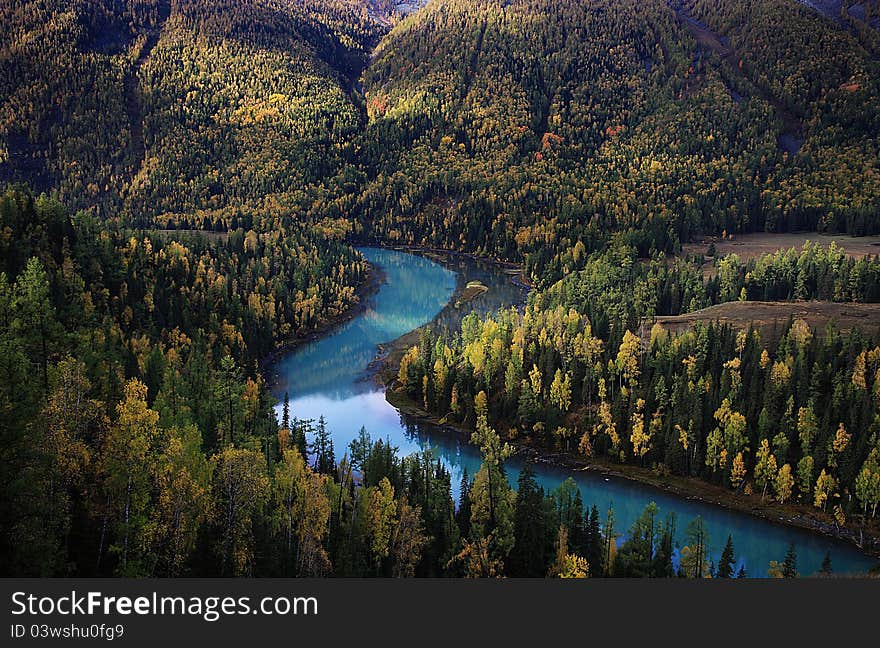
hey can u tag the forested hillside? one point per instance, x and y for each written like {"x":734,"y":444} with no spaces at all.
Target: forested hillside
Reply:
{"x":542,"y":123}
{"x":179,"y":111}
{"x":748,"y":409}
{"x":183,"y":184}
{"x":549,"y":123}
{"x":95,"y":316}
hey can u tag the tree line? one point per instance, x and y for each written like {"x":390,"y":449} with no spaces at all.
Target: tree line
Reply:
{"x":791,"y":413}
{"x":102,"y":323}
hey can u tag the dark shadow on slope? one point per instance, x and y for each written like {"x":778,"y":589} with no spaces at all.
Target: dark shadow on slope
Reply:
{"x":791,"y":137}
{"x":133,"y":103}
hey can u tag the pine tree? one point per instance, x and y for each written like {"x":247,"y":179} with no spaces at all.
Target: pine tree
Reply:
{"x":826,"y":564}
{"x":322,"y":449}
{"x":527,"y":556}
{"x":694,"y":562}
{"x":727,"y":561}
{"x":463,"y":515}
{"x":34,"y":316}
{"x":609,"y":538}
{"x":789,"y":565}
{"x":593,"y":541}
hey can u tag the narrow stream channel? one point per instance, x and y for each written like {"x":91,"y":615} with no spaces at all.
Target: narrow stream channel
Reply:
{"x":329,"y":377}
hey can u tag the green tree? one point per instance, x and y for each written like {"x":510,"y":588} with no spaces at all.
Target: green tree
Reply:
{"x":230,"y":393}
{"x":527,"y":556}
{"x":789,"y":565}
{"x":727,"y":561}
{"x":805,"y":476}
{"x":491,"y":498}
{"x":694,"y":561}
{"x":35,"y":321}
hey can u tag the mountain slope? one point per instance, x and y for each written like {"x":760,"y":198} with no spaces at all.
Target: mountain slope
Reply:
{"x":546,"y":123}
{"x":526,"y":129}
{"x":166,"y":107}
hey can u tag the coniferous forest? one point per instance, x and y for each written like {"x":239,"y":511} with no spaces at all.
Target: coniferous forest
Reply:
{"x":184,"y":186}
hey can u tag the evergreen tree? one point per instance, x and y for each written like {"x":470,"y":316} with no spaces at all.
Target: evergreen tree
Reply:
{"x":527,"y":557}
{"x":593,"y":542}
{"x":662,"y":566}
{"x":322,"y":449}
{"x":694,"y":555}
{"x":609,"y":540}
{"x":727,"y":561}
{"x":463,"y":515}
{"x":285,"y":412}
{"x":635,"y":556}
{"x":826,"y":569}
{"x":789,"y":565}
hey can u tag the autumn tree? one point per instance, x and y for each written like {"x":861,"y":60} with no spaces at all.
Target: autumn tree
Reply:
{"x":301,"y":513}
{"x":240,"y":493}
{"x":183,"y":485}
{"x":824,"y":489}
{"x":408,"y":539}
{"x":765,"y":467}
{"x":783,"y":484}
{"x":868,"y":482}
{"x":128,"y":465}
{"x":381,"y":518}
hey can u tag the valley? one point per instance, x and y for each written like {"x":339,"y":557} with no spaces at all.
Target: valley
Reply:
{"x":580,"y":244}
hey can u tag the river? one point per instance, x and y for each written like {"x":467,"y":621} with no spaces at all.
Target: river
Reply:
{"x":330,"y":377}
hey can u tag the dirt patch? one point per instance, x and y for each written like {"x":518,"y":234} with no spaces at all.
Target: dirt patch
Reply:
{"x":473,"y":290}
{"x":752,"y":246}
{"x":770,"y":316}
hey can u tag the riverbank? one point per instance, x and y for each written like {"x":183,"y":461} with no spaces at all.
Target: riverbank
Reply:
{"x":516,"y":272}
{"x":390,"y":353}
{"x":801,"y":516}
{"x":366,"y":290}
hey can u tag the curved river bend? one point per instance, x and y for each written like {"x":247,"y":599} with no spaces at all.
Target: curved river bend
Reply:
{"x":329,"y":377}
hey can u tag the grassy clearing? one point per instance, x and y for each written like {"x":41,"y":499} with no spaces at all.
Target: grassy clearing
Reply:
{"x":750,"y":246}
{"x":766,"y":315}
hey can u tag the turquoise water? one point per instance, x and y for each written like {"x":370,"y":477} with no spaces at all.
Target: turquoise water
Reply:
{"x":329,"y":377}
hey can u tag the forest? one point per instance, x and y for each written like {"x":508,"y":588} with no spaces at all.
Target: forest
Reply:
{"x":791,"y":413}
{"x":142,"y":441}
{"x":183,"y":186}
